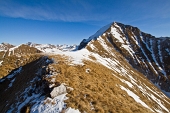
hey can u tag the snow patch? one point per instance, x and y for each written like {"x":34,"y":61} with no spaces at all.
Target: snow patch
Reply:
{"x":98,"y":33}
{"x":128,"y":83}
{"x":129,"y":49}
{"x":146,"y":55}
{"x":1,"y":63}
{"x":14,"y":73}
{"x":10,"y":85}
{"x":55,"y":105}
{"x":77,"y":57}
{"x":49,"y":105}
{"x":116,"y":34}
{"x":124,"y":81}
{"x":159,"y":51}
{"x":159,"y":102}
{"x":71,"y":110}
{"x":12,"y":49}
{"x":135,"y":97}
{"x":153,"y":56}
{"x":91,"y":45}
{"x":167,"y":50}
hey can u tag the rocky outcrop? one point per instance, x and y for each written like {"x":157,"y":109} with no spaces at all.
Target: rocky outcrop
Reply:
{"x":58,"y":91}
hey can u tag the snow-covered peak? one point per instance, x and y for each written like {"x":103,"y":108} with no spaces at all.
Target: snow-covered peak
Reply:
{"x":99,"y":32}
{"x":5,"y":46}
{"x":49,"y":48}
{"x":13,"y":48}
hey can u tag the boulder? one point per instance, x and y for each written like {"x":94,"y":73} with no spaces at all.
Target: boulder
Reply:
{"x":58,"y":91}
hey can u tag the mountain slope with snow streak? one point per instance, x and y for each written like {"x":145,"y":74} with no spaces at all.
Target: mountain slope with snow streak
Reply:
{"x":111,"y":72}
{"x":146,"y":53}
{"x":93,"y":82}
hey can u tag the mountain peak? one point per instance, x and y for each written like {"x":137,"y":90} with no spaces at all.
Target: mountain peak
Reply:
{"x":114,"y":28}
{"x":5,"y":46}
{"x":100,"y":32}
{"x":143,"y":51}
{"x":119,"y":69}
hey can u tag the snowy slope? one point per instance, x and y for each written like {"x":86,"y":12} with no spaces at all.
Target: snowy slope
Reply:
{"x":144,"y":52}
{"x":126,"y":75}
{"x":130,"y":82}
{"x":109,"y":73}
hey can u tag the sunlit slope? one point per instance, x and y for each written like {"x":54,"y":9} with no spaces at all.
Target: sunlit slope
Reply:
{"x":146,"y":53}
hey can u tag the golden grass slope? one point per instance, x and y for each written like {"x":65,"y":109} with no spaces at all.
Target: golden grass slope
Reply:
{"x":97,"y":88}
{"x":16,"y":58}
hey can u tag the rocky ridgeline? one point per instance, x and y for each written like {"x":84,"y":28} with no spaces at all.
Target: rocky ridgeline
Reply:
{"x":39,"y":83}
{"x":54,"y":102}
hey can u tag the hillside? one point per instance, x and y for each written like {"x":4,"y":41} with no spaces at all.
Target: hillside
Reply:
{"x":118,"y":69}
{"x":146,"y":53}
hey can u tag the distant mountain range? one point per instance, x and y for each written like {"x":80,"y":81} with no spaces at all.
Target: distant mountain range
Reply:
{"x":118,"y":69}
{"x":40,"y":47}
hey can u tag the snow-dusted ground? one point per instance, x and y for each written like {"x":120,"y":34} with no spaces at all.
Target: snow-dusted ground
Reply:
{"x":14,"y":73}
{"x":12,"y":76}
{"x":11,"y":50}
{"x":77,"y":57}
{"x":55,"y":105}
{"x":135,"y":97}
{"x":1,"y":63}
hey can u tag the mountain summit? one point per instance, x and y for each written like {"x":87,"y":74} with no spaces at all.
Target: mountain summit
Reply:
{"x":146,"y":53}
{"x":118,"y":69}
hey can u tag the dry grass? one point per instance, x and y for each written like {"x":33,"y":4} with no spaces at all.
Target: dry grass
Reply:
{"x":96,"y":91}
{"x":16,"y":58}
{"x":12,"y":62}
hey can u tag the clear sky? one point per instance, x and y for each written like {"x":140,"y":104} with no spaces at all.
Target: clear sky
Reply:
{"x":70,"y":21}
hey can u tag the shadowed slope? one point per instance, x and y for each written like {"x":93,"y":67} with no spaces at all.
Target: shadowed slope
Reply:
{"x":23,"y":85}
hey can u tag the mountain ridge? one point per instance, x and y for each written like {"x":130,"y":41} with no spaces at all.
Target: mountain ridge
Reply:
{"x":136,"y":46}
{"x":112,"y":71}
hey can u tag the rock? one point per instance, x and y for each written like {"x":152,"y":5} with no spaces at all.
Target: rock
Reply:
{"x":58,"y":91}
{"x":71,"y":110}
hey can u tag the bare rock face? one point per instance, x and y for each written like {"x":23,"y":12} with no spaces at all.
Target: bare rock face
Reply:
{"x":58,"y":91}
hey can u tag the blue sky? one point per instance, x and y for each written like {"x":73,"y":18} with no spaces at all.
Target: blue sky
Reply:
{"x":70,"y":21}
